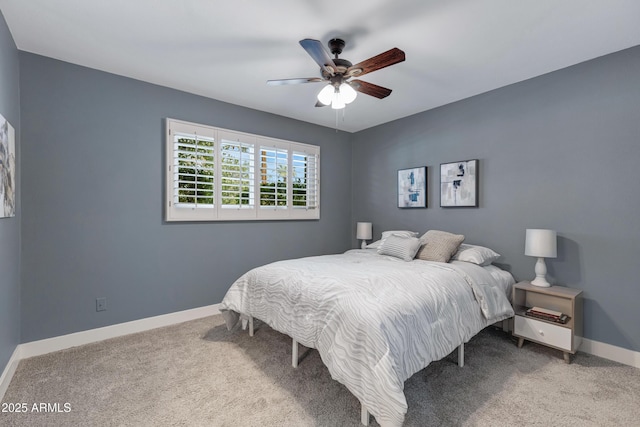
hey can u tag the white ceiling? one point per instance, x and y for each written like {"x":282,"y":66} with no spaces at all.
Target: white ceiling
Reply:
{"x":227,"y":50}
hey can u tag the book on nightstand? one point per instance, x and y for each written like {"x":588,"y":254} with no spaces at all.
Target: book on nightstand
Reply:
{"x":546,"y":314}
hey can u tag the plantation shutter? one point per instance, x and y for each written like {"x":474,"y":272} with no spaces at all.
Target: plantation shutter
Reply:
{"x":192,"y":172}
{"x":274,"y":169}
{"x":237,"y":171}
{"x":305,"y":180}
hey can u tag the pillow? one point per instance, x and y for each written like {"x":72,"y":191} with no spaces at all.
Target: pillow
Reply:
{"x":386,"y":234}
{"x":475,"y":254}
{"x":406,"y":233}
{"x":402,"y":247}
{"x":439,"y":245}
{"x":374,"y":245}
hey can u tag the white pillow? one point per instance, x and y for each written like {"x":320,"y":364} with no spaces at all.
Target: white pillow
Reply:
{"x":402,"y":247}
{"x":404,"y":233}
{"x":476,"y":254}
{"x":374,"y":245}
{"x":385,"y":234}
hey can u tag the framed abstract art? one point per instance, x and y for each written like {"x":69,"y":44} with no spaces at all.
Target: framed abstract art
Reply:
{"x":459,"y":184}
{"x":7,"y":169}
{"x":412,"y":187}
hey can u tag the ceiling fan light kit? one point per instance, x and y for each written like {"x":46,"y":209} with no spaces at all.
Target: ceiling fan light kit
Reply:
{"x":336,"y":72}
{"x":337,"y":96}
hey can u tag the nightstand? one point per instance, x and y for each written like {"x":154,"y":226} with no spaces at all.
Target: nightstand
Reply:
{"x":565,"y":337}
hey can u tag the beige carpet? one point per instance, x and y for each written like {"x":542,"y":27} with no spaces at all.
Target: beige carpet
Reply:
{"x":199,"y":374}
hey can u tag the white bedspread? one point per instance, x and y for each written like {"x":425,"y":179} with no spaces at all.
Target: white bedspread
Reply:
{"x":375,"y":320}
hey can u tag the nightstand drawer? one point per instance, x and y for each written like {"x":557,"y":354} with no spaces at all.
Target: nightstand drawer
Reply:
{"x":544,"y":333}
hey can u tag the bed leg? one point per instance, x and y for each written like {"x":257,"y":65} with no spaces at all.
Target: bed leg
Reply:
{"x":294,"y":354}
{"x":250,"y":326}
{"x":364,"y":415}
{"x":461,"y":355}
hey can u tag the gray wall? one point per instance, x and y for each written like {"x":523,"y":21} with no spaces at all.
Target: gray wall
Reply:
{"x":10,"y":227}
{"x":93,"y":202}
{"x":560,"y":151}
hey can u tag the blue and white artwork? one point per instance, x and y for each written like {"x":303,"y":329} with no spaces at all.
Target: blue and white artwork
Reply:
{"x":459,"y":184}
{"x":7,"y":169}
{"x":412,"y":187}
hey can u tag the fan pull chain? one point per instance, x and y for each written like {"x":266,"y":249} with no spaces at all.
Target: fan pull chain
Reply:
{"x":343,"y":116}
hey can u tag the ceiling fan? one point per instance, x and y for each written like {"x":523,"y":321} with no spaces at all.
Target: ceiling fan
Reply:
{"x":337,"y":72}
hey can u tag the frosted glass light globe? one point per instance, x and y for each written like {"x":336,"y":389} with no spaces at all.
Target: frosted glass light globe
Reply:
{"x":325,"y":96}
{"x":337,"y":102}
{"x":347,"y":93}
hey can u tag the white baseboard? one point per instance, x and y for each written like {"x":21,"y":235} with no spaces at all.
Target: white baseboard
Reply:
{"x":611,"y":352}
{"x":49,"y":345}
{"x":9,"y":370}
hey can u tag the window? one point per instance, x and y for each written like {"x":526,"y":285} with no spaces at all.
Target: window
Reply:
{"x":220,"y":175}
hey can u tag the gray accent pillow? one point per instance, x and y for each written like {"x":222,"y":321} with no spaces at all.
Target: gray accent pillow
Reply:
{"x":439,"y":245}
{"x":402,"y":247}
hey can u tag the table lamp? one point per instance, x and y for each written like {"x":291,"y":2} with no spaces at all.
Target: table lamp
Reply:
{"x":542,"y":244}
{"x":363,"y":231}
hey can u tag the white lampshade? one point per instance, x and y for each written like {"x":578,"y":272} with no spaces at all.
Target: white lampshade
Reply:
{"x":541,"y":243}
{"x":364,"y":230}
{"x":347,"y":93}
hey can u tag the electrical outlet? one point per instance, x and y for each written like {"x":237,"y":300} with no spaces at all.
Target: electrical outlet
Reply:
{"x":101,"y":304}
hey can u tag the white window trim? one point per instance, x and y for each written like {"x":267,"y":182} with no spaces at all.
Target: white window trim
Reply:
{"x":257,"y":212}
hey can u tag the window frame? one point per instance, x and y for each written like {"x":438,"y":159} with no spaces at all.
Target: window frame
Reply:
{"x":252,"y":211}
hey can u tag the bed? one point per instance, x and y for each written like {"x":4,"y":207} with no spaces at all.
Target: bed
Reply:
{"x":375,"y":319}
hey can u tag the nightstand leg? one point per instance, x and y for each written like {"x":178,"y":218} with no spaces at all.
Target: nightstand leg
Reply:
{"x":294,"y":354}
{"x":567,"y":357}
{"x":520,"y":342}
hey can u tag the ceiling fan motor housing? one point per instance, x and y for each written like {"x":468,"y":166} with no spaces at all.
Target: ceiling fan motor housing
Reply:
{"x":341,"y":68}
{"x":336,"y":46}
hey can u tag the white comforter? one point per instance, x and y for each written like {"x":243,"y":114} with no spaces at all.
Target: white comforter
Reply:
{"x":375,"y":320}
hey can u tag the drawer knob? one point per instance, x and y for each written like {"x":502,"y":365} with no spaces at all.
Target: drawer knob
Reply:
{"x":541,"y":332}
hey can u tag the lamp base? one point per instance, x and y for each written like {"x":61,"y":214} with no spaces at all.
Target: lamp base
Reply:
{"x":541,"y":273}
{"x":541,"y":282}
{"x":364,"y":244}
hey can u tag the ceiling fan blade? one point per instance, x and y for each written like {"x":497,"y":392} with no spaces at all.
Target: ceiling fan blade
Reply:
{"x":370,"y":89}
{"x":320,"y":104}
{"x":390,"y":57}
{"x":319,"y":54}
{"x":294,"y":81}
